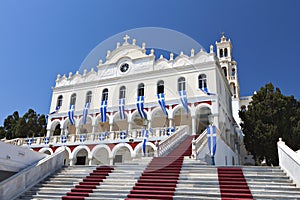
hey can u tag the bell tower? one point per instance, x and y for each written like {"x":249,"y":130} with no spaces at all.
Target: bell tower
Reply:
{"x":228,"y":65}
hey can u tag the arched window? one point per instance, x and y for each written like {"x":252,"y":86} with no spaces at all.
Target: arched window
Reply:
{"x":105,"y":94}
{"x":88,"y":97}
{"x":233,"y":72}
{"x":221,"y":53}
{"x":59,"y":101}
{"x":73,"y":99}
{"x":181,"y":84}
{"x":224,"y":71}
{"x":141,"y":89}
{"x":160,"y":87}
{"x":122,"y":92}
{"x":202,"y":81}
{"x":225,"y":52}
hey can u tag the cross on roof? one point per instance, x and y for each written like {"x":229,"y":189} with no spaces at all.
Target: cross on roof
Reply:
{"x":126,"y":38}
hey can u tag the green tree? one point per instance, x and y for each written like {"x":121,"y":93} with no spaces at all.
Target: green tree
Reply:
{"x":270,"y":115}
{"x":30,"y":124}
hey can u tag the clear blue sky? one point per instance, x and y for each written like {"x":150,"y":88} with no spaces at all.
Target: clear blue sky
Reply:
{"x":39,"y":39}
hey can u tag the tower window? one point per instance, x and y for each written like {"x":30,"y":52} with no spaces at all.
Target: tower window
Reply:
{"x":202,"y":81}
{"x":105,"y":94}
{"x":160,"y":87}
{"x":221,"y":53}
{"x":88,"y":97}
{"x":225,"y":52}
{"x":141,"y":89}
{"x":122,"y":92}
{"x":59,"y":101}
{"x":73,"y":99}
{"x":233,"y":72}
{"x":224,"y":71}
{"x":181,"y":84}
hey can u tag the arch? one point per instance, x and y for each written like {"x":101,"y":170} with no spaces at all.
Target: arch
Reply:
{"x":100,"y":126}
{"x":52,"y":125}
{"x":160,"y":87}
{"x":59,"y":101}
{"x":202,"y":82}
{"x":122,"y":92}
{"x":65,"y":148}
{"x":119,"y":146}
{"x":119,"y":124}
{"x":88,"y":98}
{"x":105,"y":94}
{"x":221,"y":53}
{"x":45,"y":149}
{"x":233,"y":72}
{"x":73,"y":99}
{"x":158,"y":118}
{"x":69,"y":128}
{"x":180,"y":117}
{"x":181,"y":84}
{"x":67,"y":156}
{"x":202,"y":113}
{"x":136,"y":119}
{"x":88,"y":126}
{"x":139,"y":146}
{"x":225,"y":52}
{"x":78,"y":148}
{"x":100,"y":146}
{"x":141,"y":89}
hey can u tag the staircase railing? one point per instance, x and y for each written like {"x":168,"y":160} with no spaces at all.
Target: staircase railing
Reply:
{"x":289,"y":161}
{"x":28,"y":177}
{"x":165,"y":146}
{"x":198,"y":143}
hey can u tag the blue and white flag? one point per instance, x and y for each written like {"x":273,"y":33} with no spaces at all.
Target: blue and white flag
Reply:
{"x":140,"y":107}
{"x":170,"y":131}
{"x":63,"y":139}
{"x":46,"y":140}
{"x":82,"y":138}
{"x":183,"y":100}
{"x":55,"y":111}
{"x":122,"y":135}
{"x":29,"y":141}
{"x":85,"y":112}
{"x":161,"y":101}
{"x":145,"y":134}
{"x":103,"y":110}
{"x":122,"y":108}
{"x":101,"y":136}
{"x":205,"y":90}
{"x":212,"y":139}
{"x":71,"y":114}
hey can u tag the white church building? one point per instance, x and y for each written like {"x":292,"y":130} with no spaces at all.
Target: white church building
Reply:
{"x":100,"y":115}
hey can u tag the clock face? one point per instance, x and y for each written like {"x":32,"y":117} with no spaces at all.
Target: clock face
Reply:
{"x":124,"y":67}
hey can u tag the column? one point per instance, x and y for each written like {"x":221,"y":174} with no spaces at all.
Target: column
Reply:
{"x":129,"y":126}
{"x":94,"y":129}
{"x":170,"y":122}
{"x":111,"y":127}
{"x":111,"y":161}
{"x":194,"y":125}
{"x":90,"y":161}
{"x":48,"y":133}
{"x":77,"y":130}
{"x":149,"y":124}
{"x":71,"y":162}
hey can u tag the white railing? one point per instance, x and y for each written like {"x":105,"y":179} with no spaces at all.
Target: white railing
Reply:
{"x":198,"y":143}
{"x":165,"y":146}
{"x":289,"y":161}
{"x":28,"y":177}
{"x":136,"y":134}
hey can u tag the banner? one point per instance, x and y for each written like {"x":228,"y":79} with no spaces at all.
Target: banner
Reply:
{"x":183,"y":100}
{"x":140,"y":107}
{"x":161,"y":101}
{"x":85,"y":112}
{"x":122,"y":108}
{"x":103,"y":110}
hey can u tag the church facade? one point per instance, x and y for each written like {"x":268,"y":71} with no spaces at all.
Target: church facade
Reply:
{"x":132,"y":91}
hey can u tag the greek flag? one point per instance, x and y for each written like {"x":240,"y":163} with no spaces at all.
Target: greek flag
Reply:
{"x":63,"y":139}
{"x":71,"y":114}
{"x":183,"y":100}
{"x":29,"y":141}
{"x":170,"y":131}
{"x":122,"y":135}
{"x":161,"y":101}
{"x":101,"y":136}
{"x":122,"y":108}
{"x":55,"y":111}
{"x":46,"y":140}
{"x":103,"y":110}
{"x":85,"y":112}
{"x":82,"y":138}
{"x":212,"y":139}
{"x":140,"y":107}
{"x":145,"y":134}
{"x":205,"y":90}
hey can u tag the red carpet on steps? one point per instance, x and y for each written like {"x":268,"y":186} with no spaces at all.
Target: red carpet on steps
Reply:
{"x":233,"y":184}
{"x":159,"y":179}
{"x":89,"y":183}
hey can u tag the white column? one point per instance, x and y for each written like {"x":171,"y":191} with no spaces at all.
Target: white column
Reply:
{"x":170,"y":122}
{"x":77,"y":130}
{"x":94,"y":128}
{"x":149,"y":124}
{"x":129,"y":126}
{"x":71,"y":162}
{"x":111,"y":161}
{"x":110,"y":127}
{"x":193,"y":125}
{"x":48,"y":133}
{"x":90,"y":161}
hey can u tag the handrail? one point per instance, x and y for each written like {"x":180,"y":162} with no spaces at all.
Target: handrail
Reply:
{"x":28,"y":177}
{"x":167,"y":145}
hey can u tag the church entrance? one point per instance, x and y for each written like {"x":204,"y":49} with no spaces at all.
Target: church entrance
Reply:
{"x":80,"y":160}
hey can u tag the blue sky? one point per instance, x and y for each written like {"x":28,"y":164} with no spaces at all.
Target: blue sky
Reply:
{"x":39,"y":39}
